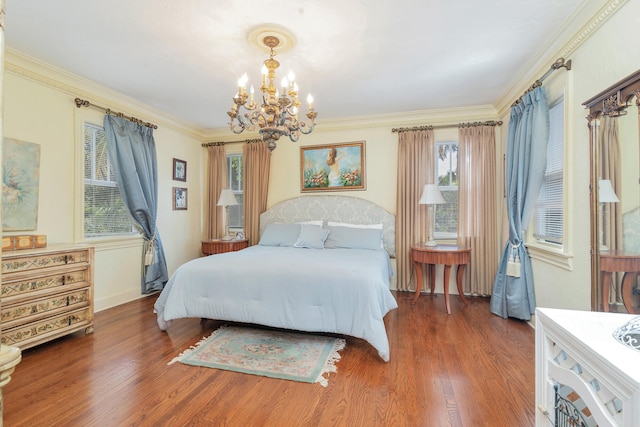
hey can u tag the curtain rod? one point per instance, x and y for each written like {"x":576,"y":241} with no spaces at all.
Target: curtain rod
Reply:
{"x":560,"y":63}
{"x":218,"y":143}
{"x":459,"y":125}
{"x":84,"y":103}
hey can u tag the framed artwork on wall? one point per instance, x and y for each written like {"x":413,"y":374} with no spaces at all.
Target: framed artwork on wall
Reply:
{"x":20,"y":185}
{"x":179,"y":170}
{"x":332,"y":167}
{"x":179,"y":199}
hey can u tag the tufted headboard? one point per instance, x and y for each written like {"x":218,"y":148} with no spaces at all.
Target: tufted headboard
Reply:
{"x":333,"y":208}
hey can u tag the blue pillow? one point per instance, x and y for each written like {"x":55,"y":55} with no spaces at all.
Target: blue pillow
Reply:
{"x":312,"y":237}
{"x":280,"y":235}
{"x":354,"y":238}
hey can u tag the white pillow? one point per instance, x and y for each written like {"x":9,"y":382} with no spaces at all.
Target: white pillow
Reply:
{"x":346,"y":224}
{"x":317,"y":222}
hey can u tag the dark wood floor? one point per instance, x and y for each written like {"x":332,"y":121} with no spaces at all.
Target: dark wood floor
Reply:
{"x":470,"y":368}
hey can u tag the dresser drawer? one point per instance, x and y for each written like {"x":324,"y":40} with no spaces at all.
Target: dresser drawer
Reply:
{"x":25,"y":336}
{"x":40,"y":285}
{"x":15,"y":263}
{"x":29,"y":311}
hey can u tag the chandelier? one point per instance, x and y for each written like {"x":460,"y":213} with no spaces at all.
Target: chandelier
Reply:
{"x":276,"y":113}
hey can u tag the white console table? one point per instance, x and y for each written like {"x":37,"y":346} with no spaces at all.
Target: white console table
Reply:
{"x":577,"y":349}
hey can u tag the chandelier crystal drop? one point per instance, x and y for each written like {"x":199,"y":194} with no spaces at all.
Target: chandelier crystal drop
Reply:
{"x":276,"y":113}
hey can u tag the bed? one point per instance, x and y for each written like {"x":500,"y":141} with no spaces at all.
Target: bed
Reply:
{"x":322,"y":265}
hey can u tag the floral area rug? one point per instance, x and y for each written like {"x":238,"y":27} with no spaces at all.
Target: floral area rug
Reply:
{"x":270,"y":353}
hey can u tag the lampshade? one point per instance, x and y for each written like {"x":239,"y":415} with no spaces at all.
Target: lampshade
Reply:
{"x":431,"y":195}
{"x":606,"y":193}
{"x":227,"y":198}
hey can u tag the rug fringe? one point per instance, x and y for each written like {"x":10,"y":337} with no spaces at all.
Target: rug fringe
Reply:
{"x":195,"y":346}
{"x":330,"y":364}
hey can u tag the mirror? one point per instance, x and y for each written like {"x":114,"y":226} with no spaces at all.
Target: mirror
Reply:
{"x":614,"y":139}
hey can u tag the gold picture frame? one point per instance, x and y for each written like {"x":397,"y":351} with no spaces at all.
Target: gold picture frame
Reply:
{"x":333,"y":167}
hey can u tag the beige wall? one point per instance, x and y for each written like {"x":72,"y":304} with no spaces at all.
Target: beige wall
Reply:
{"x":381,"y":156}
{"x":39,"y":107}
{"x":605,"y":57}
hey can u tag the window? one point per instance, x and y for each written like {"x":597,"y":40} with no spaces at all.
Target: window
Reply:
{"x":104,"y":210}
{"x":236,"y":213}
{"x":549,"y":212}
{"x":446,"y":221}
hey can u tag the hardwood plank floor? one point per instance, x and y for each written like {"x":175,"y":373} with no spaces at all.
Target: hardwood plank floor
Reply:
{"x":470,"y":368}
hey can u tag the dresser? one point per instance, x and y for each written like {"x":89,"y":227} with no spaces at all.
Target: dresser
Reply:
{"x":46,"y":293}
{"x":597,"y":377}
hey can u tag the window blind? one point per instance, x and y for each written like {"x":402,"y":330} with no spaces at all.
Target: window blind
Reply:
{"x":104,"y":210}
{"x":549,"y":209}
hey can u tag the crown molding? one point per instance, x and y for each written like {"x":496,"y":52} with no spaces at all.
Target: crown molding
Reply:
{"x":435,"y":117}
{"x":565,"y":42}
{"x":63,"y":81}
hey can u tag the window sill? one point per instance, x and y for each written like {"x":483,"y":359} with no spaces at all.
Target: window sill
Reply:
{"x":115,"y":242}
{"x":550,"y":255}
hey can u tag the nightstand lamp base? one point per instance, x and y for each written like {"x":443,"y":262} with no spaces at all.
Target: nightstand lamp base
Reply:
{"x":430,"y":243}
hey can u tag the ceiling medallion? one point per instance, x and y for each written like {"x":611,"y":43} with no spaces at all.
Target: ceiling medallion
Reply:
{"x":276,"y":112}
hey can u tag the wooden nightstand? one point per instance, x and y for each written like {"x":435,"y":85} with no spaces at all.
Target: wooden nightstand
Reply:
{"x":447,"y":255}
{"x":217,"y":246}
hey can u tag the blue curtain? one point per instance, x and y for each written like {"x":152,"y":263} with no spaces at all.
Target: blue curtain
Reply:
{"x":513,"y":292}
{"x":132,"y":151}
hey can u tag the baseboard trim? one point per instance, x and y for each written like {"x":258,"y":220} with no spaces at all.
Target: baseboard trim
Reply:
{"x":115,"y":300}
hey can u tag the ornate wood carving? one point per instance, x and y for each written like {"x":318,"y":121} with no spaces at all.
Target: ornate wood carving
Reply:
{"x":614,"y":100}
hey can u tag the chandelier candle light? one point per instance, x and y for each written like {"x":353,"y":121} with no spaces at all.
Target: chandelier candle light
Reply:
{"x":227,"y":198}
{"x":276,"y":114}
{"x":431,"y":195}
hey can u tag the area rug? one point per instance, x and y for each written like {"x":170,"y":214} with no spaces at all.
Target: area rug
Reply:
{"x":270,"y":353}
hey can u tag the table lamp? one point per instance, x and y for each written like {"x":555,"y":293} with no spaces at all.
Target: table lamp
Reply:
{"x":605,"y":195}
{"x":431,"y":195}
{"x":227,"y":198}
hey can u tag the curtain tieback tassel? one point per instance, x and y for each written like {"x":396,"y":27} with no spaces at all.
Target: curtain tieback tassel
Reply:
{"x":513,"y":264}
{"x":149,"y":256}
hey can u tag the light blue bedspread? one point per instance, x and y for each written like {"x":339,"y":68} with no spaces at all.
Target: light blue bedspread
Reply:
{"x":344,"y":291}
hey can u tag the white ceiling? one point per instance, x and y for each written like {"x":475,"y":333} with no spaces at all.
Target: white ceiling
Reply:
{"x":357,"y":57}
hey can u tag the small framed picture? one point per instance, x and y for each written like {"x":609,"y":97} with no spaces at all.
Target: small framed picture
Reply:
{"x":179,"y":170}
{"x":179,"y":199}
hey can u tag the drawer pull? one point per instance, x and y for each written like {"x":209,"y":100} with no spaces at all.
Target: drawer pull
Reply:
{"x":64,"y":280}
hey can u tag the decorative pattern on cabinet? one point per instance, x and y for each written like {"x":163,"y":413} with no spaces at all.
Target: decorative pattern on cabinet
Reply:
{"x":46,"y":294}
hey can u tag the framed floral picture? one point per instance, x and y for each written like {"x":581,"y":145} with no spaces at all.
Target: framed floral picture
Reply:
{"x":179,"y":170}
{"x":20,"y":184}
{"x":333,"y":167}
{"x":179,"y":199}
